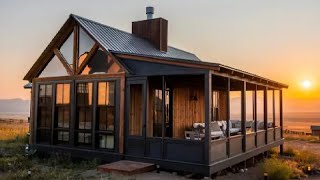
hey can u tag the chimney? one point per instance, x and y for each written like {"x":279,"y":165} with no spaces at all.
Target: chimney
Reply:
{"x":154,"y":30}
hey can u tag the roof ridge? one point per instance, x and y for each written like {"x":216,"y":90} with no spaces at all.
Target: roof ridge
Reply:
{"x":80,"y":17}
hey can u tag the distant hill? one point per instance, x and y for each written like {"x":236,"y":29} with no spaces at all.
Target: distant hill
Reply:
{"x":14,"y":105}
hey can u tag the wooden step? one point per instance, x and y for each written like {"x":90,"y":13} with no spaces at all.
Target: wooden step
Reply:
{"x":125,"y":167}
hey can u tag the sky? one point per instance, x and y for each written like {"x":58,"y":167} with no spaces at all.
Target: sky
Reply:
{"x":279,"y":40}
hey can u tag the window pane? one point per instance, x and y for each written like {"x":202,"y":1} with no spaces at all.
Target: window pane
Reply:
{"x":85,"y":44}
{"x":106,"y":106}
{"x":84,"y":105}
{"x":106,"y":141}
{"x":44,"y":117}
{"x":84,"y":138}
{"x":67,"y":49}
{"x":100,"y":62}
{"x":63,"y":105}
{"x":54,"y":68}
{"x":135,"y":121}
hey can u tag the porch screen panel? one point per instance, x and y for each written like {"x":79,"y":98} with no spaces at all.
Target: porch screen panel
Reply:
{"x":62,"y":113}
{"x":235,"y":107}
{"x":44,"y":120}
{"x":260,"y":108}
{"x":84,"y":113}
{"x":155,"y":111}
{"x":250,"y":102}
{"x":106,"y":114}
{"x":270,"y":108}
{"x":135,"y":121}
{"x":277,"y":107}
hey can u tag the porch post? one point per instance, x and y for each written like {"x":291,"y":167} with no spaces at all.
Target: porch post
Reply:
{"x":243,"y":116}
{"x":228,"y":117}
{"x":281,"y":120}
{"x":255,"y":114}
{"x":265,"y":110}
{"x":163,"y":113}
{"x":208,"y":108}
{"x":72,"y":123}
{"x":273,"y":115}
{"x":94,"y":109}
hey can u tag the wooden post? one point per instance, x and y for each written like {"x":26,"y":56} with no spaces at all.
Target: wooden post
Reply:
{"x":208,"y":108}
{"x":255,"y":115}
{"x":228,"y":117}
{"x":243,"y":115}
{"x":163,"y":113}
{"x":75,"y":48}
{"x":265,"y":110}
{"x":72,"y":124}
{"x":273,"y":115}
{"x":94,"y":110}
{"x":281,"y":120}
{"x":53,"y":87}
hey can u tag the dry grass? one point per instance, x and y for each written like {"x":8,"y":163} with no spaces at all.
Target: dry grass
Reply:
{"x":309,"y":138}
{"x":13,"y":129}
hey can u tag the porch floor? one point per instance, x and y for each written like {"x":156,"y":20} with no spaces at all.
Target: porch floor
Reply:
{"x":125,"y":167}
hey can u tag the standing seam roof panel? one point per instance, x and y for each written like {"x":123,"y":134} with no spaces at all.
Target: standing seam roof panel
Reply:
{"x":123,"y":42}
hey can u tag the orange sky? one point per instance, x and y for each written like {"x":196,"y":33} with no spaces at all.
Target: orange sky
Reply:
{"x":277,"y":40}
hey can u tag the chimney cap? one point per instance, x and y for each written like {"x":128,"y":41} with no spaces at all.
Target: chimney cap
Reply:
{"x":149,"y":12}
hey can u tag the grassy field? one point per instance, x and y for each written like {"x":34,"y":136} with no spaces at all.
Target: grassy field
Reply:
{"x":301,"y":153}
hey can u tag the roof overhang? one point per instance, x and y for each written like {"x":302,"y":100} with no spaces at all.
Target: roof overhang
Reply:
{"x":231,"y":72}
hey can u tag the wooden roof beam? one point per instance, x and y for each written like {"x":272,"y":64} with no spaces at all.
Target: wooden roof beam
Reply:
{"x":63,"y":61}
{"x":85,"y":62}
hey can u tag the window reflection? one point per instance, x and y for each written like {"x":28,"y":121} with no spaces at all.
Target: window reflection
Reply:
{"x":54,"y":68}
{"x":67,"y":49}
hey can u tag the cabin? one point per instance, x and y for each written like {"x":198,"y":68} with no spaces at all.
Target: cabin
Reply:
{"x":315,"y":130}
{"x":99,"y":92}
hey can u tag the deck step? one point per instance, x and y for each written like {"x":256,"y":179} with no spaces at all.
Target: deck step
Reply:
{"x":125,"y":167}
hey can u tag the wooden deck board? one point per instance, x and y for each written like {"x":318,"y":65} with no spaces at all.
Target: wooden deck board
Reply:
{"x":125,"y":167}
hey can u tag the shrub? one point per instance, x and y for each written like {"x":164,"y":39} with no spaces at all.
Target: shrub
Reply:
{"x":289,"y":152}
{"x":277,"y":169}
{"x":306,"y":157}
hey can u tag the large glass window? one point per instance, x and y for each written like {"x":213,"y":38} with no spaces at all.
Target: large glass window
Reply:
{"x":100,"y":62}
{"x":260,"y":107}
{"x":84,"y":113}
{"x":54,"y":68}
{"x":62,"y":113}
{"x":135,"y":120}
{"x":85,"y":45}
{"x":106,"y":114}
{"x":44,"y":120}
{"x":67,"y":49}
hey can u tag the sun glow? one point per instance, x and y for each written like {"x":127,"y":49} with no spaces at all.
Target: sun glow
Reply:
{"x":306,"y":84}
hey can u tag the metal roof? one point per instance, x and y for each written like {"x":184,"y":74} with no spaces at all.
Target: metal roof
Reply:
{"x":28,"y":86}
{"x":117,"y":41}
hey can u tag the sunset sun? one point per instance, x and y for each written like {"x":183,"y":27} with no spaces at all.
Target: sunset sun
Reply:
{"x":306,"y":84}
